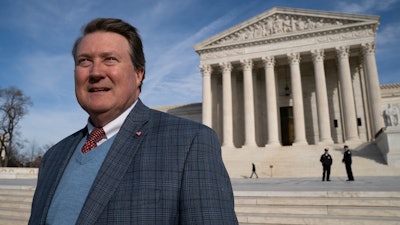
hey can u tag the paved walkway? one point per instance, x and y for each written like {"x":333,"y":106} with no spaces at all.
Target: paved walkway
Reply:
{"x":315,"y":184}
{"x":386,"y":184}
{"x":18,"y":182}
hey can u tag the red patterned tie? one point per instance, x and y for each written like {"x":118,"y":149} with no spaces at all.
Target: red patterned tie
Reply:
{"x":95,"y":136}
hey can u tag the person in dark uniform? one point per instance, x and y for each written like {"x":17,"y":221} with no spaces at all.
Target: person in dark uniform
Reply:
{"x":253,"y":171}
{"x":326,"y":160}
{"x":347,"y":161}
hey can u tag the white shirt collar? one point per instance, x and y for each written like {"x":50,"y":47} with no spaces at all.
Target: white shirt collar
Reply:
{"x":114,"y":126}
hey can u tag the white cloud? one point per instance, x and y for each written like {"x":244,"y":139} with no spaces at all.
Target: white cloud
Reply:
{"x":47,"y":76}
{"x":175,"y":90}
{"x":364,"y":6}
{"x":173,"y":77}
{"x":389,"y":34}
{"x":48,"y":126}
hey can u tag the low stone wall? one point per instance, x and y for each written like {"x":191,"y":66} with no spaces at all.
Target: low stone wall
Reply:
{"x":389,"y":144}
{"x":18,"y":173}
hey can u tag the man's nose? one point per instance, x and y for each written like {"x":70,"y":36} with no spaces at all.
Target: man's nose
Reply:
{"x":96,"y":70}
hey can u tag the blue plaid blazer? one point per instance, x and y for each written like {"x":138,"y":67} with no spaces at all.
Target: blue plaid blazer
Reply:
{"x":161,"y":169}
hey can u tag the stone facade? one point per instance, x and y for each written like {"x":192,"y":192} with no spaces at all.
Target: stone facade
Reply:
{"x":391,"y":104}
{"x":292,"y":77}
{"x":188,"y":111}
{"x":390,"y":94}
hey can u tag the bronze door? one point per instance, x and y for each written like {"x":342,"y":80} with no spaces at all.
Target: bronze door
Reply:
{"x":287,"y":126}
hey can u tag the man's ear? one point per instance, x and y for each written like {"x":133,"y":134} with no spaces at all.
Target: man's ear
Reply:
{"x":140,"y":74}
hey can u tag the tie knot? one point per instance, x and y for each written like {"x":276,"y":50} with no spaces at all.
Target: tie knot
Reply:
{"x":95,"y":136}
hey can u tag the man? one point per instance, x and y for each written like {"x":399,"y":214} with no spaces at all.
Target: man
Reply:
{"x":253,"y":171}
{"x":147,"y":168}
{"x":326,"y":160}
{"x":347,"y":161}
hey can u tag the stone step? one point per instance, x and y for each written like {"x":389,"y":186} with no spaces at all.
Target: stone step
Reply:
{"x":16,"y":191}
{"x":16,"y":204}
{"x":316,"y":201}
{"x":19,"y":198}
{"x":12,"y":221}
{"x":319,"y":207}
{"x":7,"y":212}
{"x":269,"y":219}
{"x":365,"y":211}
{"x":265,"y":207}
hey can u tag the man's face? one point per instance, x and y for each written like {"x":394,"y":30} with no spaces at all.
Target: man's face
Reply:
{"x":106,"y":82}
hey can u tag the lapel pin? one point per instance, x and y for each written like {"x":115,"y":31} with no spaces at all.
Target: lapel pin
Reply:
{"x":138,"y":133}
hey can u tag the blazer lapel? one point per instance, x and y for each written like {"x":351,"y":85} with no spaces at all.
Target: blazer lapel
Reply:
{"x":58,"y":164}
{"x":116,"y":163}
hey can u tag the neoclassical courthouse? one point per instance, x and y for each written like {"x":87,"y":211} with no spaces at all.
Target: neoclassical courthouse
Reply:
{"x":294,"y":77}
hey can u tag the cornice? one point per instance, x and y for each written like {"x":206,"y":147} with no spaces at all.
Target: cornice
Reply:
{"x":286,"y":24}
{"x":369,"y":28}
{"x":390,"y":86}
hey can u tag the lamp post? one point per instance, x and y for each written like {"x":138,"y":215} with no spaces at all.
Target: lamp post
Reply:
{"x":270,"y":167}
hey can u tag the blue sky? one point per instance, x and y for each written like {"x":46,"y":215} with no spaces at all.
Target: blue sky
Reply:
{"x":37,"y":36}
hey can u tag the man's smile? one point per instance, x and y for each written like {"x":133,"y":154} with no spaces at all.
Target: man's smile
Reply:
{"x":99,"y":89}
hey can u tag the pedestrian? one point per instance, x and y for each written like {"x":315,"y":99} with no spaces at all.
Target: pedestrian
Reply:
{"x":253,"y":171}
{"x":347,"y":161}
{"x":139,"y":165}
{"x":326,"y":160}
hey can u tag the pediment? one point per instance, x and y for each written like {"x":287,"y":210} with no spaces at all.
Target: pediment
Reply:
{"x":279,"y":24}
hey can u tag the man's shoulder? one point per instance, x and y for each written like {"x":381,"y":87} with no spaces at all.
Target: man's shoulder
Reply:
{"x":172,"y":119}
{"x":160,"y":116}
{"x":170,"y":122}
{"x":180,"y":124}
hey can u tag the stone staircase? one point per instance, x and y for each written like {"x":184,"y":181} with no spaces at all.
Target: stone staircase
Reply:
{"x":15,"y":204}
{"x":367,"y":208}
{"x":264,"y":207}
{"x":303,"y":161}
{"x":284,"y":204}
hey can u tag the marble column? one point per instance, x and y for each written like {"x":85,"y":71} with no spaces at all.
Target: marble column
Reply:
{"x":297,"y":95}
{"x":227,"y":104}
{"x":271,"y":102}
{"x":249,"y":119}
{"x":324,"y":124}
{"x":374,"y":90}
{"x":347,"y":94}
{"x":207,"y":95}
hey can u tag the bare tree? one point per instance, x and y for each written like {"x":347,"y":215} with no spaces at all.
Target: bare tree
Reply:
{"x":33,"y":155}
{"x":13,"y":107}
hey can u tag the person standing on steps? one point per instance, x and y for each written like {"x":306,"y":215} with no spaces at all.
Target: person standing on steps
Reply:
{"x":253,"y":171}
{"x":347,"y":161}
{"x":326,"y":160}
